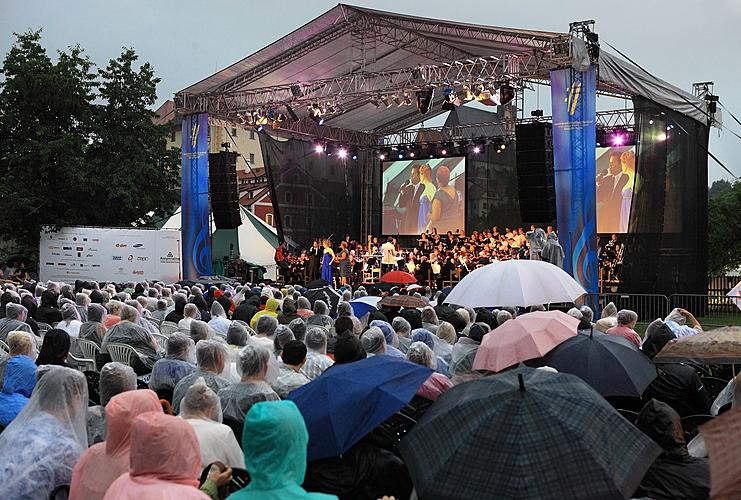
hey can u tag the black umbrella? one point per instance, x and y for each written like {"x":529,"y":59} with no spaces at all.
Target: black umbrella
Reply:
{"x":606,"y":362}
{"x":526,"y":433}
{"x":329,"y":295}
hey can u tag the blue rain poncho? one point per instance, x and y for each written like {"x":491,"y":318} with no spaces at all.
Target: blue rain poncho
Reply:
{"x":18,"y":384}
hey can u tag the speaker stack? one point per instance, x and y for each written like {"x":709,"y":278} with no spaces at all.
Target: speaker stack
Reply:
{"x":222,"y":183}
{"x":535,"y":173}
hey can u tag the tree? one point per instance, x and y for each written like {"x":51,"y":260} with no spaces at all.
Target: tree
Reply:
{"x":718,"y":187}
{"x":724,"y":227}
{"x":78,"y":147}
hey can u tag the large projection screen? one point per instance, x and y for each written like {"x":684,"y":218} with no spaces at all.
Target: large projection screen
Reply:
{"x":423,"y":195}
{"x":615,"y":180}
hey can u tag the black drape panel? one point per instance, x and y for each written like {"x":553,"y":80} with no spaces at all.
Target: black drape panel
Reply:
{"x":491,"y":189}
{"x":315,"y":194}
{"x":666,"y":244}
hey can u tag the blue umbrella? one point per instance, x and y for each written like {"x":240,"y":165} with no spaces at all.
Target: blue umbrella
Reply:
{"x":363,"y":305}
{"x":348,"y":401}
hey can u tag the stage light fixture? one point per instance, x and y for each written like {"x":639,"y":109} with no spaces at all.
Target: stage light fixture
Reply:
{"x":651,"y":122}
{"x":375,"y":101}
{"x":407,"y":99}
{"x":424,"y":100}
{"x":450,"y":100}
{"x":397,"y":100}
{"x":318,"y":147}
{"x":386,"y":101}
{"x":463,"y":147}
{"x":417,"y":73}
{"x":467,"y":94}
{"x":296,"y":90}
{"x":315,"y":113}
{"x":291,"y":113}
{"x":617,"y":139}
{"x":506,"y":94}
{"x":476,"y":149}
{"x":342,"y":152}
{"x":329,"y":148}
{"x":478,"y":91}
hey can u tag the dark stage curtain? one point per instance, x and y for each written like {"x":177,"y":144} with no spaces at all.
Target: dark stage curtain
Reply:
{"x":666,"y":244}
{"x":314,"y":195}
{"x":491,"y":189}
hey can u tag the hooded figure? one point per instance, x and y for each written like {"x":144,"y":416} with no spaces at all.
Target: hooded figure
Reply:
{"x":219,"y":322}
{"x":18,"y":384}
{"x":288,"y":312}
{"x":165,"y":461}
{"x":43,"y":443}
{"x":552,"y":251}
{"x":103,"y":463}
{"x":392,"y":341}
{"x":674,"y":475}
{"x":536,"y":240}
{"x":271,"y":308}
{"x":274,"y":442}
{"x":48,"y":312}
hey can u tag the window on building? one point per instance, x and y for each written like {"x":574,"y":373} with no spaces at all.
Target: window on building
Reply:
{"x":288,"y":197}
{"x":252,"y":157}
{"x":269,"y":219}
{"x":252,"y":135}
{"x":234,"y":132}
{"x":287,"y":221}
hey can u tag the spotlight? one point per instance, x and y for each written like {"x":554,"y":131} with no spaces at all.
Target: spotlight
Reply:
{"x":291,"y":113}
{"x":651,"y":122}
{"x":375,"y":101}
{"x":506,"y":94}
{"x":342,"y":152}
{"x":318,"y":147}
{"x":478,"y":92}
{"x":424,"y":100}
{"x":315,"y":113}
{"x":407,"y":99}
{"x":401,"y":155}
{"x":661,"y":136}
{"x":477,"y":149}
{"x":617,"y":139}
{"x":296,"y":90}
{"x":386,"y":101}
{"x":355,"y":156}
{"x":329,"y":149}
{"x":397,"y":100}
{"x":382,"y":156}
{"x":468,"y":95}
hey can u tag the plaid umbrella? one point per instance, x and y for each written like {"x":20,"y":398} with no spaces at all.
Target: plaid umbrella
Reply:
{"x":723,"y":439}
{"x":398,"y":277}
{"x":409,"y":301}
{"x":611,"y":368}
{"x":526,"y":433}
{"x":719,"y":346}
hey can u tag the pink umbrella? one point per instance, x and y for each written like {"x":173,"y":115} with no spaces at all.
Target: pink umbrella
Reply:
{"x":526,"y":337}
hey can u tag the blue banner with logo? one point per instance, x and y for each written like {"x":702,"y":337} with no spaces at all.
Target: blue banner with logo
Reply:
{"x":195,"y":225}
{"x":574,"y":103}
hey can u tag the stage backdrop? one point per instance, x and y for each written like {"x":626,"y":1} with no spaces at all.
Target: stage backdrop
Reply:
{"x":408,"y":188}
{"x":194,"y":197}
{"x":574,"y":101}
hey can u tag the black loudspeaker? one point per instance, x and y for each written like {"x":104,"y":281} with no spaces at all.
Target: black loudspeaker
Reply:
{"x":535,"y":173}
{"x":222,"y":183}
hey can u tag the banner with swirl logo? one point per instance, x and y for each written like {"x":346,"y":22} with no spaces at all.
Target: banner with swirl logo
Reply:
{"x":194,"y":211}
{"x":574,"y":103}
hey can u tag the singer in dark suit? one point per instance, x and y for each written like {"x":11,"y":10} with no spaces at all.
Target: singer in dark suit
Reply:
{"x":409,"y":194}
{"x":315,"y":260}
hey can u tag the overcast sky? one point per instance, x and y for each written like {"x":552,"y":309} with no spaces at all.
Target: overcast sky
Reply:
{"x":681,"y":41}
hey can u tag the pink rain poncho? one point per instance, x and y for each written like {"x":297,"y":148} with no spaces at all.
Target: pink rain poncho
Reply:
{"x":165,"y":461}
{"x":103,"y":463}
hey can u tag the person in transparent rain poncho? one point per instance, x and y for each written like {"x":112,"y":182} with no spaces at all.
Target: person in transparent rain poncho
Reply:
{"x":219,"y":322}
{"x":179,"y":362}
{"x":237,"y":399}
{"x":42,"y":445}
{"x":115,"y":378}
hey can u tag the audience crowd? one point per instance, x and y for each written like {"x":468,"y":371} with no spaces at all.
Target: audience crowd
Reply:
{"x":224,"y":359}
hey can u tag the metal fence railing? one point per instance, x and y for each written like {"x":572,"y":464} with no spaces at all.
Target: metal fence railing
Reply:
{"x":710,"y":310}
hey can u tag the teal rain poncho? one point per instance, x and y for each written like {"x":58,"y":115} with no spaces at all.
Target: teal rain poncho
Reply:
{"x":274,"y":442}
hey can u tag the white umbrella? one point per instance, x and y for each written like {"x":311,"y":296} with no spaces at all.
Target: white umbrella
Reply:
{"x":735,"y":295}
{"x":515,"y":283}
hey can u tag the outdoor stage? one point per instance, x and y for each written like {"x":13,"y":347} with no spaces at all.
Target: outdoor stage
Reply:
{"x":339,"y":97}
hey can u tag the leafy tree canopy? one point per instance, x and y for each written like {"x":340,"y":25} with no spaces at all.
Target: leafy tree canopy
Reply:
{"x":724,"y":227}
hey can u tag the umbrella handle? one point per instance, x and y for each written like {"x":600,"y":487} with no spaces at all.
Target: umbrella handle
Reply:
{"x":522,"y":382}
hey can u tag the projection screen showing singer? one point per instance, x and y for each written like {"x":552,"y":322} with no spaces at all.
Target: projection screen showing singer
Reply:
{"x":424,"y":195}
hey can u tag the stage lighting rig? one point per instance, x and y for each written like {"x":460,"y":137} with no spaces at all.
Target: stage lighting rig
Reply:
{"x":386,"y":101}
{"x":424,"y":100}
{"x":467,"y":94}
{"x":536,"y":113}
{"x":376,"y":101}
{"x":450,"y":100}
{"x":506,"y":94}
{"x":296,"y":90}
{"x":316,"y":113}
{"x":291,"y":113}
{"x":318,"y":146}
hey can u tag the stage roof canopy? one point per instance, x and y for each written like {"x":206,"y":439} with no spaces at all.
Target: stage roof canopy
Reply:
{"x":356,"y":53}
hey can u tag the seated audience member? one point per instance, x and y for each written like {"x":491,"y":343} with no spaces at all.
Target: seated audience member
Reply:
{"x":104,"y":462}
{"x":448,"y":338}
{"x":179,"y":362}
{"x":298,"y":327}
{"x":348,"y":348}
{"x":127,"y":331}
{"x":271,"y":308}
{"x":115,"y":378}
{"x":436,"y":383}
{"x":70,"y":320}
{"x":114,"y":313}
{"x":288,"y":312}
{"x":21,"y":344}
{"x":316,"y":353}
{"x":290,"y":376}
{"x":674,"y":475}
{"x":677,"y":323}
{"x":246,"y":310}
{"x":626,"y":322}
{"x":429,"y":320}
{"x":179,"y":302}
{"x":275,"y":442}
{"x":677,"y":385}
{"x":265,"y":327}
{"x":199,"y":330}
{"x":422,"y":335}
{"x":464,"y":351}
{"x":55,"y":349}
{"x":42,"y":445}
{"x":219,"y":323}
{"x":282,"y":336}
{"x":373,"y":342}
{"x":211,"y":356}
{"x":304,"y":308}
{"x":585,"y":323}
{"x":201,"y":408}
{"x":608,"y":318}
{"x":238,"y":334}
{"x":389,"y":336}
{"x":190,"y":313}
{"x":14,"y":320}
{"x":403,"y":331}
{"x":344,"y":309}
{"x":165,"y":461}
{"x":321,"y":314}
{"x":237,"y":399}
{"x":94,"y":328}
{"x":160,"y":310}
{"x":48,"y":311}
{"x":18,"y":383}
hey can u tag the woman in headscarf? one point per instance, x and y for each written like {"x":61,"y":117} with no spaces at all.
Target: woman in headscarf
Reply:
{"x":103,"y":463}
{"x":165,"y":461}
{"x":18,"y":383}
{"x":94,"y":329}
{"x":275,"y":441}
{"x":42,"y":445}
{"x":55,"y":348}
{"x":219,"y":322}
{"x":674,"y":475}
{"x":201,"y":408}
{"x":70,"y":320}
{"x":436,"y":383}
{"x":552,"y":251}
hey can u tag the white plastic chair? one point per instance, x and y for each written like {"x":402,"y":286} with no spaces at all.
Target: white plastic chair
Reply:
{"x":5,"y":347}
{"x":161,"y":340}
{"x":89,"y":350}
{"x":121,"y":353}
